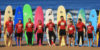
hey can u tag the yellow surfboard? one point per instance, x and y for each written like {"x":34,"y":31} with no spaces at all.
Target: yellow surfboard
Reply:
{"x":61,"y":12}
{"x":8,"y":13}
{"x":98,"y":32}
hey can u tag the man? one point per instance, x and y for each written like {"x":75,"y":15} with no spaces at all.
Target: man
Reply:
{"x":9,"y":27}
{"x":29,"y":31}
{"x":90,"y":29}
{"x":62,"y":26}
{"x":71,"y":31}
{"x":80,"y":26}
{"x":39,"y":30}
{"x":19,"y":31}
{"x":51,"y":31}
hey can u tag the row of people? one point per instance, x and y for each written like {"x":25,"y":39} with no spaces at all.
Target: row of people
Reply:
{"x":62,"y":25}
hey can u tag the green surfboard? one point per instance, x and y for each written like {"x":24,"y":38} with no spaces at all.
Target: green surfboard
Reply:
{"x":27,"y":13}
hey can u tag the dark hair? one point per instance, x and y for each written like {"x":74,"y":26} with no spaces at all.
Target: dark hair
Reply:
{"x":50,"y":19}
{"x":10,"y":17}
{"x":71,"y":21}
{"x":19,"y":20}
{"x":29,"y":18}
{"x":80,"y":19}
{"x":61,"y":16}
{"x":89,"y":21}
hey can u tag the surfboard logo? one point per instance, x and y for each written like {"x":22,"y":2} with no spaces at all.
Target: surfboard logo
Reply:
{"x":18,"y":12}
{"x":61,"y":11}
{"x":50,"y":13}
{"x":9,"y":12}
{"x":92,"y":15}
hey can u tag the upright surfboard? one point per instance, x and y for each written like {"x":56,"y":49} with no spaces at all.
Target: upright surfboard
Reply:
{"x":27,"y":13}
{"x":8,"y":13}
{"x":98,"y":40}
{"x":0,"y":19}
{"x":18,"y":16}
{"x":49,"y":15}
{"x":38,"y":16}
{"x":93,"y":19}
{"x":81,"y":15}
{"x":61,"y":12}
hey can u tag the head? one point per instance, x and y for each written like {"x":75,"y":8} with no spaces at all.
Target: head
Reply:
{"x":90,"y":23}
{"x":29,"y":19}
{"x":39,"y":21}
{"x":20,"y":21}
{"x":62,"y":18}
{"x":9,"y":18}
{"x":79,"y":20}
{"x":71,"y":23}
{"x":50,"y":20}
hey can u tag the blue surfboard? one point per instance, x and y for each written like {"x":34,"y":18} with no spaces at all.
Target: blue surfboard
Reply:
{"x":93,"y":19}
{"x":18,"y":16}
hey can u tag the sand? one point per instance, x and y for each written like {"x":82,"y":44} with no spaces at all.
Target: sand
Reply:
{"x":44,"y":47}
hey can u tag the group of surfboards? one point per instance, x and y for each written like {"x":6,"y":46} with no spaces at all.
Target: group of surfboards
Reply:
{"x":24,"y":22}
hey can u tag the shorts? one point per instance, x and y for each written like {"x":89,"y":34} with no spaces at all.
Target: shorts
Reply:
{"x":9,"y":35}
{"x":90,"y":36}
{"x":62,"y":33}
{"x":71,"y":35}
{"x":19,"y":34}
{"x":0,"y":35}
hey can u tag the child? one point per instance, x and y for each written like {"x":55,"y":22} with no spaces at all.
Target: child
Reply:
{"x":71,"y":31}
{"x":19,"y":31}
{"x":39,"y":30}
{"x":90,"y":29}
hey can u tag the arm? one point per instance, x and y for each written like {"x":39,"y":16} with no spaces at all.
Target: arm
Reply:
{"x":36,"y":30}
{"x":54,"y":28}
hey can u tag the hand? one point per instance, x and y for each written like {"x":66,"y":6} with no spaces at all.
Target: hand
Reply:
{"x":4,"y":32}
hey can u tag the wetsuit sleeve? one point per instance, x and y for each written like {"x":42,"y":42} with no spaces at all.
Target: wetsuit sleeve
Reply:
{"x":36,"y":30}
{"x":45,"y":28}
{"x":54,"y":27}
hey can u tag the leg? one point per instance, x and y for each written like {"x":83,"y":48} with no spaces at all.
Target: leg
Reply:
{"x":17,"y":40}
{"x":41,"y":38}
{"x":38,"y":38}
{"x":60,"y":40}
{"x":89,"y":41}
{"x":78,"y":37}
{"x":82,"y":38}
{"x":73,"y":40}
{"x":54,"y":38}
{"x":31,"y":38}
{"x":50,"y":37}
{"x":69,"y":41}
{"x":28,"y":37}
{"x":20,"y":40}
{"x":65,"y":39}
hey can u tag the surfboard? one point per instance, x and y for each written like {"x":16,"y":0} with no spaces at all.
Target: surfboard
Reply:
{"x":61,"y":12}
{"x":81,"y":14}
{"x":98,"y":40}
{"x":8,"y":13}
{"x":18,"y":16}
{"x":38,"y":16}
{"x":49,"y":15}
{"x":93,"y":19}
{"x":27,"y":13}
{"x":69,"y":17}
{"x":0,"y":21}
